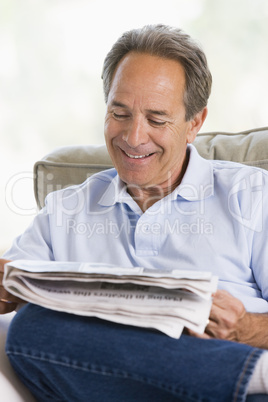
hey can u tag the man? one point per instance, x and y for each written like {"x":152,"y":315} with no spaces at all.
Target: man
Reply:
{"x":156,"y":84}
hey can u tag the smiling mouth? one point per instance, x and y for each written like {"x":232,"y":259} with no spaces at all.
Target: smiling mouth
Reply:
{"x":137,"y":156}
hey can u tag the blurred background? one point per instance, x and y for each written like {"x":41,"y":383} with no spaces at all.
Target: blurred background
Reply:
{"x":51,"y":55}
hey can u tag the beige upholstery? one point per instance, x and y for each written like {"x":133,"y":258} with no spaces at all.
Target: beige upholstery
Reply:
{"x":72,"y":165}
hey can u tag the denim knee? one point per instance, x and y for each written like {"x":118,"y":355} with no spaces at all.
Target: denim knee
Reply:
{"x":65,"y":355}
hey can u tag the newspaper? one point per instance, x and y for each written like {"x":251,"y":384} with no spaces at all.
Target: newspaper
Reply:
{"x":166,"y":300}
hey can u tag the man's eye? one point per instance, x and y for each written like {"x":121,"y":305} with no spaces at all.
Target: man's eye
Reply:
{"x":157,"y":123}
{"x":118,"y":116}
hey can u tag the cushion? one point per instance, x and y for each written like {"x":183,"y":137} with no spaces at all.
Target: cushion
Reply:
{"x":70,"y":165}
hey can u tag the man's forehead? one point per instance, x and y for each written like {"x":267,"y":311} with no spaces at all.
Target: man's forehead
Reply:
{"x":148,"y":66}
{"x":148,"y":76}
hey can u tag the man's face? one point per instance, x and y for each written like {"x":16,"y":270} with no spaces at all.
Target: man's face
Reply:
{"x":145,"y":128}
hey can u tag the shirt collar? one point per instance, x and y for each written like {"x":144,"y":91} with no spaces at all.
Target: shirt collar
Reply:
{"x":115,"y":192}
{"x":198,"y":180}
{"x":197,"y":183}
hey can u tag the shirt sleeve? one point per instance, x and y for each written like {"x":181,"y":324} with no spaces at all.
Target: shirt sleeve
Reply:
{"x":259,"y":249}
{"x":35,"y":242}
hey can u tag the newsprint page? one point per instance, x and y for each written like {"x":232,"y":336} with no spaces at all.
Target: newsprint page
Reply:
{"x":164,"y":300}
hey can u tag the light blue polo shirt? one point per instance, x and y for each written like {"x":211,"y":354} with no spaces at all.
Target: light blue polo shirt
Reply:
{"x":215,"y":220}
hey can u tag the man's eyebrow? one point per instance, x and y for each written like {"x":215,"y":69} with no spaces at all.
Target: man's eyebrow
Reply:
{"x":118,"y":104}
{"x":158,"y":112}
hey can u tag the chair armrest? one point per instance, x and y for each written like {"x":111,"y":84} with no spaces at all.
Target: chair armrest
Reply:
{"x":11,"y":388}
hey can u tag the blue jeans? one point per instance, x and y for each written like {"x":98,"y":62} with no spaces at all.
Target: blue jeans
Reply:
{"x":64,"y":357}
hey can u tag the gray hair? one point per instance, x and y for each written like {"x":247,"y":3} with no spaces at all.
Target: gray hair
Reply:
{"x":170,"y":43}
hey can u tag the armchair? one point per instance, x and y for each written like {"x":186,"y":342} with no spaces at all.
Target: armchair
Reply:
{"x":73,"y":164}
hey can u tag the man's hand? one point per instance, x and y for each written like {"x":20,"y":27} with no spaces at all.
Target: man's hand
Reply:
{"x":229,"y":320}
{"x":8,"y":302}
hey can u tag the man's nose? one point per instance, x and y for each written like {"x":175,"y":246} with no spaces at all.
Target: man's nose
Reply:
{"x":135,"y":133}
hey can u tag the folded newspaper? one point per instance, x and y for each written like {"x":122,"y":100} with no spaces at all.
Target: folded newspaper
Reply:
{"x":166,"y":300}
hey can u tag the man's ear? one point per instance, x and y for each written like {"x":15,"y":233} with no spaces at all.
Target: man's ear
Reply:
{"x":196,"y":124}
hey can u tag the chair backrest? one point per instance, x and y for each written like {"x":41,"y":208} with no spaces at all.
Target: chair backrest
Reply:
{"x":70,"y":165}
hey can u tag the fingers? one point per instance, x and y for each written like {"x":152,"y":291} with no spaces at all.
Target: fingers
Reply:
{"x":7,"y":307}
{"x":8,"y":302}
{"x":197,"y":335}
{"x":226,"y":315}
{"x":6,"y":297}
{"x":2,"y":264}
